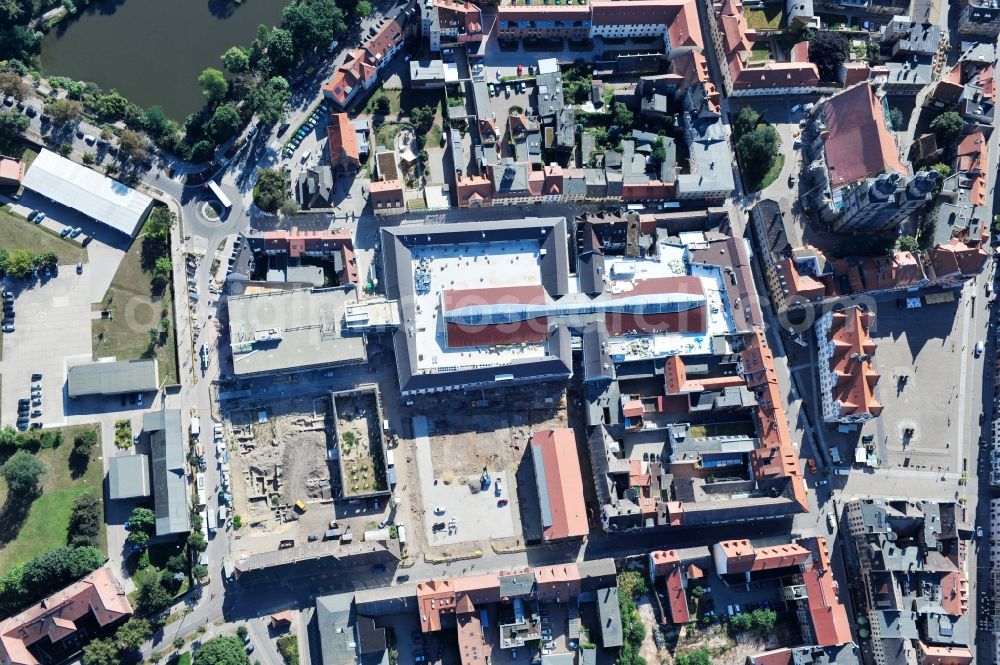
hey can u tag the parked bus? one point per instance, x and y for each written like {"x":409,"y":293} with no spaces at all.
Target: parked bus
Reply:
{"x":219,"y":194}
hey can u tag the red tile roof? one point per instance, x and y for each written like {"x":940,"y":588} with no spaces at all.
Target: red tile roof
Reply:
{"x":855,"y":72}
{"x":297,"y":242}
{"x":852,"y":364}
{"x":776,"y":456}
{"x":955,"y":593}
{"x":464,"y":15}
{"x":473,"y":191}
{"x":543,"y":13}
{"x":563,"y":482}
{"x":342,"y":142}
{"x":97,"y":596}
{"x":935,"y":655}
{"x":859,"y":143}
{"x":387,"y":194}
{"x":357,"y":70}
{"x":11,"y":170}
{"x":956,"y":256}
{"x":827,"y":614}
{"x":529,"y":331}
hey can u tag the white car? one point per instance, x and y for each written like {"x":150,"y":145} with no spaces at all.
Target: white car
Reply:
{"x":439,"y":510}
{"x":978,"y":350}
{"x":979,"y":532}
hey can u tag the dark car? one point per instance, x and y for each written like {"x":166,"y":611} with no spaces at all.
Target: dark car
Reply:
{"x":438,"y":526}
{"x":282,"y":129}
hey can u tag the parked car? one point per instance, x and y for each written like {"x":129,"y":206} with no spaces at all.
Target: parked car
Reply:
{"x":39,"y":218}
{"x":65,"y":232}
{"x":75,"y":232}
{"x":440,"y":510}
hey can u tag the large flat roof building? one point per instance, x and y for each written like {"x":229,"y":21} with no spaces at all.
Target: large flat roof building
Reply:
{"x":112,"y":378}
{"x":170,"y":487}
{"x":436,"y":270}
{"x":88,"y":192}
{"x":291,"y":330}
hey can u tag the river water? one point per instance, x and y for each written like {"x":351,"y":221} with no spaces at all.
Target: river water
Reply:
{"x":152,"y":51}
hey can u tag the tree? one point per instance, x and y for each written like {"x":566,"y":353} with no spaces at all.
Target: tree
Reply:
{"x":140,"y":526}
{"x":131,"y":146}
{"x":177,"y":563}
{"x":382,"y":105}
{"x":50,"y":259}
{"x":65,"y":148}
{"x":289,"y":207}
{"x":745,"y":122}
{"x":199,"y":571}
{"x":226,"y":650}
{"x":202,"y":151}
{"x":896,"y":119}
{"x":197,"y":542}
{"x":4,"y":260}
{"x":906,"y":243}
{"x":281,"y":50}
{"x":155,"y":121}
{"x":948,"y":126}
{"x":13,"y":123}
{"x":270,"y":101}
{"x":269,"y":192}
{"x":20,"y":263}
{"x":12,"y":85}
{"x":22,"y":473}
{"x":757,"y":151}
{"x":131,"y":634}
{"x":153,"y":597}
{"x":89,"y":159}
{"x":8,"y":437}
{"x":363,"y":8}
{"x":764,"y":620}
{"x":225,"y":122}
{"x":828,"y":51}
{"x":64,"y":111}
{"x":85,"y":441}
{"x":236,"y":60}
{"x":741,"y":622}
{"x":313,"y":24}
{"x":622,"y":116}
{"x":84,"y":521}
{"x":162,"y":270}
{"x":700,"y":656}
{"x":242,"y":632}
{"x":659,"y":151}
{"x":100,"y":652}
{"x":214,"y":85}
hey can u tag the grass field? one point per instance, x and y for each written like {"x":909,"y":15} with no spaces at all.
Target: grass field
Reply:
{"x":48,"y":518}
{"x":18,"y":233}
{"x":768,"y":18}
{"x":134,"y":311}
{"x":772,"y":173}
{"x":760,"y":53}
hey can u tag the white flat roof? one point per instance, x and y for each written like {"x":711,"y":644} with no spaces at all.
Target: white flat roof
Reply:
{"x":86,"y":191}
{"x":471,"y":266}
{"x":669,"y":261}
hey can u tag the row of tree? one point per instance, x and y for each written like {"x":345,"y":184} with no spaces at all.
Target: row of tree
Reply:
{"x":21,"y":262}
{"x":756,"y":146}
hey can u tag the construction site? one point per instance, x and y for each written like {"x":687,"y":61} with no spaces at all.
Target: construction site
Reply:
{"x":281,"y":459}
{"x":358,"y":444}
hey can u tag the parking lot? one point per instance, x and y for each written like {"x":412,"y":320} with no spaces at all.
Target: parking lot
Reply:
{"x":104,"y":252}
{"x":52,"y":328}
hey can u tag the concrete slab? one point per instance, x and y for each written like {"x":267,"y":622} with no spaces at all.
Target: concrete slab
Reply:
{"x":477,"y":516}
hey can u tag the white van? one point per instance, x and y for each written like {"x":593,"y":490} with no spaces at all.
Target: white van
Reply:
{"x":796,"y":108}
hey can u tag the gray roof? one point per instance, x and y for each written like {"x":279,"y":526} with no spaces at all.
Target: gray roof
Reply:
{"x":519,"y":584}
{"x":710,"y":160}
{"x":112,"y":378}
{"x":284,"y":330}
{"x":128,"y":476}
{"x":336,"y":621}
{"x":610,"y":616}
{"x":84,"y":190}
{"x":170,"y":487}
{"x":319,"y":561}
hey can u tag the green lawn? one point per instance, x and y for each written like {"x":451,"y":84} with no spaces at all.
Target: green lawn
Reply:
{"x":768,"y":18}
{"x":134,"y":311}
{"x":18,"y":233}
{"x":48,"y":518}
{"x":772,"y":173}
{"x":760,"y":52}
